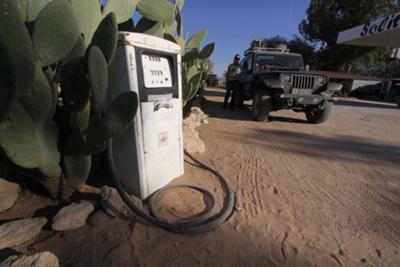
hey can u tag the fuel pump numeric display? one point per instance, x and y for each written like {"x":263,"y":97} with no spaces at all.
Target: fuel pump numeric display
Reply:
{"x":156,"y":71}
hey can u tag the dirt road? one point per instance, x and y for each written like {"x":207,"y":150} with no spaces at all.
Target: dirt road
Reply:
{"x":307,"y":195}
{"x":328,"y":193}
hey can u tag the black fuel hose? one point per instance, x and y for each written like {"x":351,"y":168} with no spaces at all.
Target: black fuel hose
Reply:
{"x":202,"y":223}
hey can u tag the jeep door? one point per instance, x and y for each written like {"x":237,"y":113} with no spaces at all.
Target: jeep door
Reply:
{"x":246,"y":79}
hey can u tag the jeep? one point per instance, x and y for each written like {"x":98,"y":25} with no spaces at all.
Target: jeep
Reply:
{"x":275,"y":79}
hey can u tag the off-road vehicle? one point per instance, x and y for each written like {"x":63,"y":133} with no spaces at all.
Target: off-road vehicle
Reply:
{"x":274,"y":79}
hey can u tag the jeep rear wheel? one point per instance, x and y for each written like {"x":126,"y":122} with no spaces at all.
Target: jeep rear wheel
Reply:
{"x":261,"y":105}
{"x":320,"y":115}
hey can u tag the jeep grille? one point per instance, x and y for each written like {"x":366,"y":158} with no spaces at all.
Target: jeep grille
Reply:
{"x":302,"y":85}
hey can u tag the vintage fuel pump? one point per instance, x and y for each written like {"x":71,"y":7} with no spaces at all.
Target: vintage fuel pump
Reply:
{"x":150,"y":153}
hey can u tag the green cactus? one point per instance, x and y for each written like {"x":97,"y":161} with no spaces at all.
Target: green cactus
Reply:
{"x":196,"y":39}
{"x":88,"y":15}
{"x":55,"y":33}
{"x":179,"y":4}
{"x":72,"y":42}
{"x":41,"y":99}
{"x":76,"y":167}
{"x":156,"y":10}
{"x":33,"y":8}
{"x":106,"y":37}
{"x":17,"y":68}
{"x":207,"y":51}
{"x":98,"y":77}
{"x":149,"y":27}
{"x":123,"y":9}
{"x":193,"y":70}
{"x":75,"y":145}
{"x":75,"y":84}
{"x":80,"y":119}
{"x":97,"y":134}
{"x":120,"y":113}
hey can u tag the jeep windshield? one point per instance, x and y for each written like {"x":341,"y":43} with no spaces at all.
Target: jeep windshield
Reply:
{"x":265,"y":62}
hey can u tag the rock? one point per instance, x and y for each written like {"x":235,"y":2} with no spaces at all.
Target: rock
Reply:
{"x":72,"y":216}
{"x":99,"y":218}
{"x":9,"y":193}
{"x":44,"y":259}
{"x":191,"y":137}
{"x":18,"y":232}
{"x":113,"y":204}
{"x":192,"y":142}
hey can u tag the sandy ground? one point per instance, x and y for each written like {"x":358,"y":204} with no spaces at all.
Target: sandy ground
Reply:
{"x":307,"y":195}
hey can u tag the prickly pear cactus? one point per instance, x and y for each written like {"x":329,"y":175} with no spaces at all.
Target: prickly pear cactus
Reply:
{"x":54,"y":58}
{"x":171,"y":29}
{"x":54,"y":80}
{"x":17,"y":68}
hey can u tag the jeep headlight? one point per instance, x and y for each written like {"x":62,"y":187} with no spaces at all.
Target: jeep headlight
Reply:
{"x":321,"y":80}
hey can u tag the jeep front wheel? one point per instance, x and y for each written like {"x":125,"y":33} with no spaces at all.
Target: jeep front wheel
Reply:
{"x":261,"y":105}
{"x":320,"y":115}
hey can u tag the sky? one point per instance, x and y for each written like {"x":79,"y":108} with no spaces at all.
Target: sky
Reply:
{"x":232,"y":24}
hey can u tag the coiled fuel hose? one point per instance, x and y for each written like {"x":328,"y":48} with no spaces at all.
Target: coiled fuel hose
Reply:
{"x":202,"y":223}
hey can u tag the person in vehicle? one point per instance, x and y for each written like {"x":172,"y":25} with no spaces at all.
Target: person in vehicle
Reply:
{"x":231,"y":82}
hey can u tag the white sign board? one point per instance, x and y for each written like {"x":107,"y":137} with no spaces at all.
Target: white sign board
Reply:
{"x":382,"y":32}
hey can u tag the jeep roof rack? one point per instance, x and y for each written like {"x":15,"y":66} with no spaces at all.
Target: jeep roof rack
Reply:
{"x":261,"y":45}
{"x":265,"y":49}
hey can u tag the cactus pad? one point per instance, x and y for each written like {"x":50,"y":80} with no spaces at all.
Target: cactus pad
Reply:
{"x":190,"y":56}
{"x":55,"y":33}
{"x":30,"y":145}
{"x":150,"y":27}
{"x":47,"y":137}
{"x":33,"y":7}
{"x":169,"y":37}
{"x":75,"y":145}
{"x":39,"y":100}
{"x":89,"y":15}
{"x":123,"y":9}
{"x":80,"y":119}
{"x":179,"y":4}
{"x":207,"y":51}
{"x":106,"y":37}
{"x":196,"y":39}
{"x":74,"y":83}
{"x":120,"y":113}
{"x":97,"y":135}
{"x":156,"y":10}
{"x":17,"y":67}
{"x":77,"y":169}
{"x":98,"y":76}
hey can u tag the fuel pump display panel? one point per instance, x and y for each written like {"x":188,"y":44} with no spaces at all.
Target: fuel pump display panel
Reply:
{"x":156,"y":71}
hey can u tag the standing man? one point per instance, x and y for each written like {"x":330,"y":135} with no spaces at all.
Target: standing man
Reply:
{"x":231,"y":82}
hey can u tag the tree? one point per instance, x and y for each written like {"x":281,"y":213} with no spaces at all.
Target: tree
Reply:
{"x":326,"y":18}
{"x":296,"y":45}
{"x":301,"y":46}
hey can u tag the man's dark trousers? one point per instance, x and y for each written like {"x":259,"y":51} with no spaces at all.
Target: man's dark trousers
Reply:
{"x":230,"y":92}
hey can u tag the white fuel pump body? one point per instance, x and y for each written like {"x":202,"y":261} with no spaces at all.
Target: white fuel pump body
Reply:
{"x":150,"y":153}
